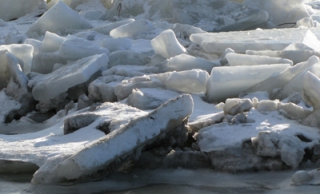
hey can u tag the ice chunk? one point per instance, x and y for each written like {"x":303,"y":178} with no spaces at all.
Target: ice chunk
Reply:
{"x":311,"y":90}
{"x":77,"y":48}
{"x":24,"y":53}
{"x":295,"y":84}
{"x":235,"y":59}
{"x":118,"y":143}
{"x":274,"y":39}
{"x":51,"y":42}
{"x":7,"y":104}
{"x":50,"y":86}
{"x":191,"y":81}
{"x":290,"y":149}
{"x":186,"y":62}
{"x":228,"y":82}
{"x":280,"y":12}
{"x":167,"y":45}
{"x":15,"y":9}
{"x":150,"y":98}
{"x":283,"y":78}
{"x":132,"y":29}
{"x":58,"y":19}
{"x":106,"y":29}
{"x":296,"y":56}
{"x":233,"y":106}
{"x":115,"y":44}
{"x":102,"y":89}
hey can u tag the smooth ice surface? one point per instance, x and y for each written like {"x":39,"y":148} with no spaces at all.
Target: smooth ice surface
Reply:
{"x":259,"y":39}
{"x":131,"y":29}
{"x":24,"y":52}
{"x":311,"y":92}
{"x":51,"y":42}
{"x":164,"y":118}
{"x":187,"y":62}
{"x":58,"y":19}
{"x":115,"y":44}
{"x":235,"y":59}
{"x":228,"y":82}
{"x":49,"y":86}
{"x":167,"y":45}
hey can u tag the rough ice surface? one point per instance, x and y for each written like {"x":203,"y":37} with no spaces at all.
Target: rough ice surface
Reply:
{"x":228,"y":82}
{"x":139,"y":54}
{"x":163,"y":119}
{"x":48,"y":87}
{"x":58,"y":19}
{"x":167,"y":45}
{"x":15,"y":9}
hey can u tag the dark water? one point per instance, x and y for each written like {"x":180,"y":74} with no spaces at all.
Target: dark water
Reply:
{"x":167,"y":181}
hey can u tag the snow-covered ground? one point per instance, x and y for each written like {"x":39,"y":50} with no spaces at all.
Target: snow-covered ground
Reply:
{"x":89,"y":88}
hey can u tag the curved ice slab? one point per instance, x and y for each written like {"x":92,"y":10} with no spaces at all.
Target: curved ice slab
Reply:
{"x":227,"y":82}
{"x":58,"y":19}
{"x":136,"y":134}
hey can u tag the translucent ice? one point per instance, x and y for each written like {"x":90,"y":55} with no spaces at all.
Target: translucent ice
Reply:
{"x":114,"y":44}
{"x":167,"y":45}
{"x":58,"y":19}
{"x":131,"y":29}
{"x":50,"y":86}
{"x":235,"y":59}
{"x":227,"y":82}
{"x":51,"y":42}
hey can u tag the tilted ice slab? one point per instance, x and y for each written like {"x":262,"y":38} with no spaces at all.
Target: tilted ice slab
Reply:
{"x":167,"y":45}
{"x":284,"y":77}
{"x":50,"y":144}
{"x":132,"y":28}
{"x":191,"y":81}
{"x":48,"y":87}
{"x":241,"y":41}
{"x":311,"y":90}
{"x":24,"y":53}
{"x":227,"y":82}
{"x":14,"y":9}
{"x":58,"y":19}
{"x":136,"y":134}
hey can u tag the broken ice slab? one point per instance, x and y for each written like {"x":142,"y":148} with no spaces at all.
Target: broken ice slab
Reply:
{"x":107,"y":28}
{"x":150,"y":98}
{"x":235,"y":59}
{"x":296,"y":56}
{"x":24,"y":53}
{"x":50,"y":86}
{"x":240,"y":42}
{"x":228,"y":82}
{"x":311,"y":90}
{"x":283,"y":78}
{"x":187,"y":62}
{"x":50,"y":145}
{"x":58,"y":19}
{"x":122,"y":142}
{"x":51,"y":42}
{"x":296,"y":84}
{"x":14,"y":9}
{"x":191,"y":81}
{"x":167,"y":45}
